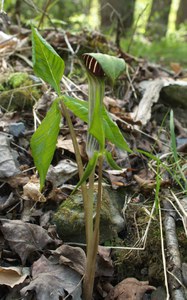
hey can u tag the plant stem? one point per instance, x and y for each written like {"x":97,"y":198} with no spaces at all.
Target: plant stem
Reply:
{"x":80,"y":168}
{"x":92,"y":253}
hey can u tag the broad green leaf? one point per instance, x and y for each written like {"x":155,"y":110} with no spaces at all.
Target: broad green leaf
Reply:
{"x":43,"y":141}
{"x":110,"y":161}
{"x":47,"y":63}
{"x":111,"y":65}
{"x":112,"y":132}
{"x":89,"y":168}
{"x":77,"y":106}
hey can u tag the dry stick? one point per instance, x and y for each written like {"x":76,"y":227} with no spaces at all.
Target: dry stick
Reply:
{"x":46,"y":5}
{"x":174,"y":260}
{"x":163,"y":254}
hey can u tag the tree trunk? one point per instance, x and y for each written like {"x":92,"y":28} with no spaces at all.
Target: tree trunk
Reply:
{"x":181,"y":13}
{"x":117,"y":13}
{"x":158,"y":19}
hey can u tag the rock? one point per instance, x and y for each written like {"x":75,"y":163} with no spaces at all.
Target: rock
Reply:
{"x":69,"y":218}
{"x":16,"y":129}
{"x":159,"y":294}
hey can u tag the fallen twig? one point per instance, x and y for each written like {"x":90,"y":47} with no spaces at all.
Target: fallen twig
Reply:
{"x":173,"y":254}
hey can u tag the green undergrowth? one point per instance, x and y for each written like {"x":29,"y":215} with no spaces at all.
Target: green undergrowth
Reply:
{"x":164,"y":51}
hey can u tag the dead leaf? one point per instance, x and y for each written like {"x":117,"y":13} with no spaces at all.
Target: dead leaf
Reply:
{"x":62,"y":172}
{"x":7,"y":200}
{"x":31,"y":190}
{"x":65,"y":144}
{"x":51,"y":280}
{"x":129,"y":289}
{"x":12,"y":276}
{"x":7,"y":162}
{"x":7,"y":41}
{"x":146,"y":184}
{"x":104,"y":262}
{"x":24,"y":238}
{"x":176,"y":67}
{"x":74,"y":257}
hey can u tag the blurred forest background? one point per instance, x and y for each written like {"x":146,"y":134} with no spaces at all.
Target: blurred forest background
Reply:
{"x":155,"y":30}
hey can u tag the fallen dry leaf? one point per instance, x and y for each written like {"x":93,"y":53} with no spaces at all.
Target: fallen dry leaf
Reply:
{"x":51,"y":280}
{"x":31,"y":191}
{"x":63,"y":171}
{"x":129,"y":289}
{"x":104,"y":262}
{"x":12,"y":276}
{"x":8,"y":166}
{"x":24,"y":238}
{"x":74,"y":257}
{"x":7,"y":200}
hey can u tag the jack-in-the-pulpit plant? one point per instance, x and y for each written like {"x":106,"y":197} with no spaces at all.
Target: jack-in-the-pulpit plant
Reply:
{"x":49,"y":66}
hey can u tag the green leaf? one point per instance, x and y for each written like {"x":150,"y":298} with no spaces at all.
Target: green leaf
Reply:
{"x":111,"y":65}
{"x":47,"y":63}
{"x":77,"y":106}
{"x":95,"y":106}
{"x":173,"y":138}
{"x":89,"y":168}
{"x":110,"y":161}
{"x":112,"y":132}
{"x":43,"y":141}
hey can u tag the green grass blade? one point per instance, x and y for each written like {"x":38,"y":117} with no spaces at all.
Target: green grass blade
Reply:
{"x":43,"y":141}
{"x":47,"y":64}
{"x":173,"y":138}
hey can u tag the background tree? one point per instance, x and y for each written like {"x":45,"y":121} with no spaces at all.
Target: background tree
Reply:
{"x":181,"y":13}
{"x":158,"y":19}
{"x":118,"y":15}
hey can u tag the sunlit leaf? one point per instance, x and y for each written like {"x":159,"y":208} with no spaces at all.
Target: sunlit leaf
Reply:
{"x":43,"y":141}
{"x":47,"y":63}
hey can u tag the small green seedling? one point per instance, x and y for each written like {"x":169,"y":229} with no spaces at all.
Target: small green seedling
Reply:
{"x":50,"y":67}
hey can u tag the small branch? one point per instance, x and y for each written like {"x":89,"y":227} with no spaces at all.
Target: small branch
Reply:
{"x":174,"y":261}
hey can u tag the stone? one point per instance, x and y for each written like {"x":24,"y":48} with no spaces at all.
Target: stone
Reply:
{"x":69,"y":218}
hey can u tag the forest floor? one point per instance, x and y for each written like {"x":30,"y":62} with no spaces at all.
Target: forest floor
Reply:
{"x":147,"y":258}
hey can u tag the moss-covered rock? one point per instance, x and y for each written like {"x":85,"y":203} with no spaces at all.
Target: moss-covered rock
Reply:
{"x":69,"y":218}
{"x":18,"y":91}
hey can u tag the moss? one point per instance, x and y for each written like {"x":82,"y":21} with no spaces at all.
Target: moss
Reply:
{"x":18,"y":92}
{"x":18,"y":79}
{"x":1,"y":87}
